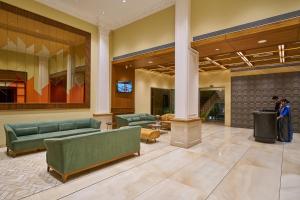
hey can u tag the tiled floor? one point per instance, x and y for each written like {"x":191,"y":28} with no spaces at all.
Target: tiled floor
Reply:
{"x":228,"y":164}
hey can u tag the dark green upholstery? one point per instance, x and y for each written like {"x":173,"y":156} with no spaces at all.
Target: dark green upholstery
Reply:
{"x":142,"y":120}
{"x":79,"y":152}
{"x":23,"y":137}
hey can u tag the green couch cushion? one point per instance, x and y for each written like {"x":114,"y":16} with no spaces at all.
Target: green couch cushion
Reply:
{"x":83,"y":123}
{"x":37,"y":140}
{"x":59,"y":134}
{"x":140,"y":123}
{"x":48,"y":127}
{"x":134,"y":119}
{"x":129,"y":119}
{"x":26,"y":131}
{"x":67,"y":126}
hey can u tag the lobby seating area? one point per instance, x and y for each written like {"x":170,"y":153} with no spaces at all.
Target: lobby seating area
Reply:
{"x":64,"y":156}
{"x":166,"y":121}
{"x":142,"y":120}
{"x":149,"y":100}
{"x":22,"y":138}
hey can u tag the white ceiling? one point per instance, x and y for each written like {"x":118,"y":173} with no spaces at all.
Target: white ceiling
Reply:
{"x":111,"y":14}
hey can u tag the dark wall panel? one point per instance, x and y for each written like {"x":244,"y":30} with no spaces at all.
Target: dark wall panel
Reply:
{"x":250,"y":93}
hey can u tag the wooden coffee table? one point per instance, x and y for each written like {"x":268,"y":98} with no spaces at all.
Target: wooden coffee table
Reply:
{"x":157,"y":126}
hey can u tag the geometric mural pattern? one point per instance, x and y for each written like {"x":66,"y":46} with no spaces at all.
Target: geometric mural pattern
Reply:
{"x":251,"y":93}
{"x":23,"y":176}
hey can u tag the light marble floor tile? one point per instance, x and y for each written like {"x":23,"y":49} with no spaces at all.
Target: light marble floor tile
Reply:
{"x":171,"y":190}
{"x":205,"y":173}
{"x":124,"y":186}
{"x":256,"y":176}
{"x":290,"y":180}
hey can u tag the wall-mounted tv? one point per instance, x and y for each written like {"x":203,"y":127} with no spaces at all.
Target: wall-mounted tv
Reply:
{"x":124,"y":86}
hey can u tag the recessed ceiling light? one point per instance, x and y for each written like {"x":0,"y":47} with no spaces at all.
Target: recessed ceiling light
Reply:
{"x":102,"y":12}
{"x":123,"y":1}
{"x":150,"y":62}
{"x":261,"y":41}
{"x":217,"y":49}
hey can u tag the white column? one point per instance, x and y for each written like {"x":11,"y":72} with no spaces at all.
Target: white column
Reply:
{"x":186,"y":127}
{"x":103,"y":89}
{"x":103,"y":73}
{"x":186,"y":69}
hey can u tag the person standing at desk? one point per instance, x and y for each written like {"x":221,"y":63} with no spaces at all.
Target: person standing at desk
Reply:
{"x":277,"y":104}
{"x":284,"y":122}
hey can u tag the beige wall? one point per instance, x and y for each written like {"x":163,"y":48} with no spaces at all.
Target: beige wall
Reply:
{"x":155,"y":30}
{"x":214,"y":15}
{"x":144,"y":80}
{"x":207,"y":16}
{"x":28,"y":116}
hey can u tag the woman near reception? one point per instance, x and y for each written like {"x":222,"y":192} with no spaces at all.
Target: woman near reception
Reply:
{"x":285,"y":133}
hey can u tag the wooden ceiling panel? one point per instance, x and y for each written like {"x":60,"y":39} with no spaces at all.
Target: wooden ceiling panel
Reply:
{"x":212,"y":49}
{"x":273,"y":38}
{"x":232,"y":50}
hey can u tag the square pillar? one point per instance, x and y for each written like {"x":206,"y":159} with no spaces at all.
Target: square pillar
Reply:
{"x":103,"y":111}
{"x":186,"y":127}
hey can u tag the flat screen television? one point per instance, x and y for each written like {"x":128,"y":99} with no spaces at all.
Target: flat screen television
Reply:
{"x":124,"y":86}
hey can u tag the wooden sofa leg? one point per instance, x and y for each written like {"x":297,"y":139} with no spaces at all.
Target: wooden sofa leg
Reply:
{"x":64,"y":178}
{"x":14,"y":154}
{"x":7,"y":150}
{"x":48,"y":169}
{"x":139,"y":153}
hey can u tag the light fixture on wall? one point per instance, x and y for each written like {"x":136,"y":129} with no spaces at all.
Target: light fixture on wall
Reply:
{"x":281,"y":53}
{"x":126,"y":66}
{"x":261,"y":41}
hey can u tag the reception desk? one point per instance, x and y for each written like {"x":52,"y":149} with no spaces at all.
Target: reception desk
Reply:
{"x":265,"y":126}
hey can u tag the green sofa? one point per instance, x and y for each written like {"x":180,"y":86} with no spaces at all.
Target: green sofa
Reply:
{"x":70,"y":155}
{"x":142,"y":120}
{"x":21,"y":138}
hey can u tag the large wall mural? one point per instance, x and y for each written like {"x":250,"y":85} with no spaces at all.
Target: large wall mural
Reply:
{"x":53,"y":59}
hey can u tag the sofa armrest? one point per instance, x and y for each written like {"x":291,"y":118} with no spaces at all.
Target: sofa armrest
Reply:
{"x":10,"y":135}
{"x":121,"y":122}
{"x":95,"y":123}
{"x":54,"y":155}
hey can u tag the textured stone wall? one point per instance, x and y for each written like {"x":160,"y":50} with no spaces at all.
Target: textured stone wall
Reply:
{"x":250,"y":93}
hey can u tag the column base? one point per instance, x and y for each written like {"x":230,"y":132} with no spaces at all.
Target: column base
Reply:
{"x":104,"y":118}
{"x":185,"y":133}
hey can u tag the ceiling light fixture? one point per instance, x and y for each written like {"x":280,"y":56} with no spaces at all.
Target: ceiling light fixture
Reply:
{"x":217,"y":49}
{"x":261,"y":41}
{"x":150,"y":62}
{"x":215,"y":63}
{"x":124,"y":1}
{"x":281,"y":53}
{"x":245,"y":59}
